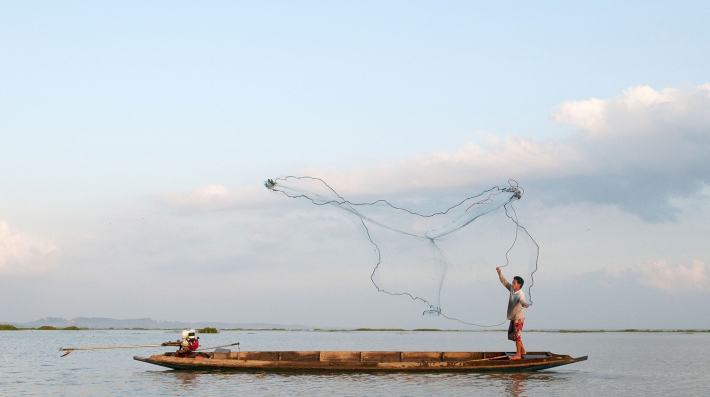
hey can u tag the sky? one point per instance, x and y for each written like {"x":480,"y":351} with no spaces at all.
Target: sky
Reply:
{"x":135,"y":138}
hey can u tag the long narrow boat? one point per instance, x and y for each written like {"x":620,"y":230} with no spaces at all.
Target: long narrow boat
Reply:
{"x":360,"y":361}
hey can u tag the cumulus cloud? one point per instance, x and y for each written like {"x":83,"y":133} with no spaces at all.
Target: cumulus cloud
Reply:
{"x":667,"y":277}
{"x":656,"y":130}
{"x":637,"y":151}
{"x":23,"y":254}
{"x":664,"y":276}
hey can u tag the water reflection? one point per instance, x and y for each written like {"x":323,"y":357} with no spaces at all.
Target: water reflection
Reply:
{"x":187,"y":380}
{"x":273,"y":383}
{"x":516,"y":386}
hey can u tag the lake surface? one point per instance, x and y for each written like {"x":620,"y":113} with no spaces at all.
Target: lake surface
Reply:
{"x":620,"y":364}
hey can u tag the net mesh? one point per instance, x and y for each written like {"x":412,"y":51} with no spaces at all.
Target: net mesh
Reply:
{"x":445,"y":258}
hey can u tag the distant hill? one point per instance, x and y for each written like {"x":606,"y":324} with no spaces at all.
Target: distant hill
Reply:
{"x":149,"y":323}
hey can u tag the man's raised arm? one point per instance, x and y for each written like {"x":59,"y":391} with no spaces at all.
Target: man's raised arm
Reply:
{"x":503,"y":281}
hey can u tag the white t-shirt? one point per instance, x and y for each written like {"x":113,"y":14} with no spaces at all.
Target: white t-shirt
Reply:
{"x":515,"y":302}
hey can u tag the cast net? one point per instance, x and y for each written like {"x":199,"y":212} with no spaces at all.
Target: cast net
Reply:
{"x":444,"y":258}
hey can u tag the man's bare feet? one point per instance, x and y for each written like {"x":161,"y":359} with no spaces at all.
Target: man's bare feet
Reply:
{"x":524,"y":351}
{"x":516,"y":357}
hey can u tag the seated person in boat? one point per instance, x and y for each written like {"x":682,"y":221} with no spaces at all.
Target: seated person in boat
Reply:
{"x":516,"y":303}
{"x":188,"y":344}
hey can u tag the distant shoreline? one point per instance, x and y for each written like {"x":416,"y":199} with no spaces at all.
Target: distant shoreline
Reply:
{"x":8,"y":327}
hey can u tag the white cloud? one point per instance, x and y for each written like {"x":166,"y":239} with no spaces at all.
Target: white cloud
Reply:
{"x":636,"y":151}
{"x":23,"y":254}
{"x":644,"y":128}
{"x":638,"y":110}
{"x":667,"y":277}
{"x":664,"y":276}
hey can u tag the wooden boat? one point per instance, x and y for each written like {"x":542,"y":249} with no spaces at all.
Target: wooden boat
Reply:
{"x":360,"y":361}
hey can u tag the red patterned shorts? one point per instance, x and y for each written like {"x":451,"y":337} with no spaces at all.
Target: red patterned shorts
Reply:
{"x":515,"y":329}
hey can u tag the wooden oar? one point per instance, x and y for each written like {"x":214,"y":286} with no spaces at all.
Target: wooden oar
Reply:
{"x":71,"y":349}
{"x":217,"y":347}
{"x":486,"y":359}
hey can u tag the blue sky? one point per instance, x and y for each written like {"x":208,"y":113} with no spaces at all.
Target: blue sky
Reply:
{"x":118,"y":115}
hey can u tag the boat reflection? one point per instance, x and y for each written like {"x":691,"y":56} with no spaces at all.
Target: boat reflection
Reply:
{"x":511,"y":384}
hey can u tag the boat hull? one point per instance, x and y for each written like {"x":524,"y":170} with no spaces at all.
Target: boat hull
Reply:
{"x":363,"y":361}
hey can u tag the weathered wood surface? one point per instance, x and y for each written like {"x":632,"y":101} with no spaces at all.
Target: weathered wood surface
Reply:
{"x":364,"y":361}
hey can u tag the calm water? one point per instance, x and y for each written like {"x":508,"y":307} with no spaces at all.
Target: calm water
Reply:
{"x":619,"y":364}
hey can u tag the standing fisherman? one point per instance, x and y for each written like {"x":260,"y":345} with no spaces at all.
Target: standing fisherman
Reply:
{"x":516,"y":303}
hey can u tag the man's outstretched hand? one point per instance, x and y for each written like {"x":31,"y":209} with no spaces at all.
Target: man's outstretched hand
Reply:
{"x":498,"y":270}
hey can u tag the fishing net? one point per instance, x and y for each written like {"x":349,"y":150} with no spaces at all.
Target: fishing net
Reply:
{"x":444,"y":258}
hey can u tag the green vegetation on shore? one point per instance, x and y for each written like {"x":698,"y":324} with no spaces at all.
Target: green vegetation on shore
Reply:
{"x":380,"y":329}
{"x":687,"y":331}
{"x":575,"y":331}
{"x":8,"y":327}
{"x":208,"y":330}
{"x":50,"y":328}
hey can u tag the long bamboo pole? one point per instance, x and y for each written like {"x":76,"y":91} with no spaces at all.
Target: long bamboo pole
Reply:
{"x":64,"y":349}
{"x":71,"y":349}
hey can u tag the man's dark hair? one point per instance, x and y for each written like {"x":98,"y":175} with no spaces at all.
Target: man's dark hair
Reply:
{"x":519,"y":280}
